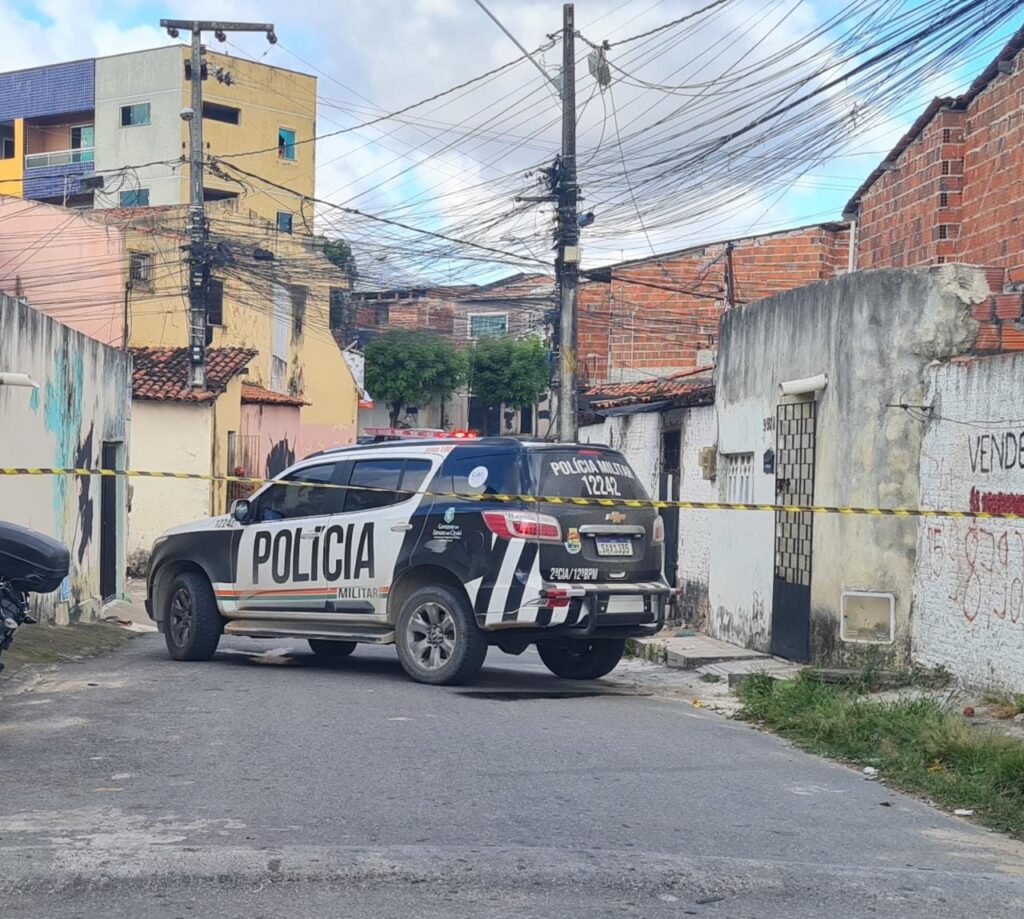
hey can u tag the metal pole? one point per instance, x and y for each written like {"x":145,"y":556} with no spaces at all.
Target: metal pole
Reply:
{"x":567,"y":265}
{"x":198,"y":273}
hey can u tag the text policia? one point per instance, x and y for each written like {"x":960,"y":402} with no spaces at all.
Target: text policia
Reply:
{"x":600,"y":477}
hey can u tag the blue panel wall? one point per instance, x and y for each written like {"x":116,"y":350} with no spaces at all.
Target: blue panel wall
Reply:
{"x":49,"y":181}
{"x":56,"y":90}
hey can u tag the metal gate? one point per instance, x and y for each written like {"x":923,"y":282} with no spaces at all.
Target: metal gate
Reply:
{"x":668,"y":490}
{"x":795,"y":433}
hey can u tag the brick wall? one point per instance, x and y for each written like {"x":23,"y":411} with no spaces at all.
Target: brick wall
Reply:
{"x":901,"y":216}
{"x":661,"y":316}
{"x":953,"y":189}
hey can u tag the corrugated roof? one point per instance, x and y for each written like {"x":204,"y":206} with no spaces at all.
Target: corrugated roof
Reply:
{"x":257,"y":395}
{"x":161,"y":374}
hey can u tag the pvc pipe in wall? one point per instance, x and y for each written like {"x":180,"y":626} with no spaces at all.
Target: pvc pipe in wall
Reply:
{"x":17,"y":379}
{"x":804,"y":386}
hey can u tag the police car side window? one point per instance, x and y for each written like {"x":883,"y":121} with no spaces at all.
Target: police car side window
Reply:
{"x":309,"y":499}
{"x":381,"y":482}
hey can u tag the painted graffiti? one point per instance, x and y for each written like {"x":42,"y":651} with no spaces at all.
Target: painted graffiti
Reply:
{"x":979,"y":567}
{"x":996,"y":452}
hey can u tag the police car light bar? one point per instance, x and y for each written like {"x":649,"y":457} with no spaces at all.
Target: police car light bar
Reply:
{"x":419,"y":433}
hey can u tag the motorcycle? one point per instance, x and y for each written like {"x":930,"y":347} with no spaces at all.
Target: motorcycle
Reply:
{"x":29,"y":563}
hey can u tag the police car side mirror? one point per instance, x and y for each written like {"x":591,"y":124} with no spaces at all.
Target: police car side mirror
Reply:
{"x":241,"y":510}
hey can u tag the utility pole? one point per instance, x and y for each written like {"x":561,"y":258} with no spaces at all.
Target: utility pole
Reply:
{"x":198,"y":260}
{"x":567,"y":262}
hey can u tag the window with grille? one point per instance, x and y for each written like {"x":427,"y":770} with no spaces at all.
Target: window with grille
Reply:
{"x":739,"y":477}
{"x":943,"y":199}
{"x":140,"y":269}
{"x":483,"y":324}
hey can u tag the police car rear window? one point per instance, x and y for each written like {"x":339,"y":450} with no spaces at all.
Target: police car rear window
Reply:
{"x":480,"y":474}
{"x":584,"y":474}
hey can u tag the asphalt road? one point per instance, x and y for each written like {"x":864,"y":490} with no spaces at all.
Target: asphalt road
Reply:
{"x":273,"y":785}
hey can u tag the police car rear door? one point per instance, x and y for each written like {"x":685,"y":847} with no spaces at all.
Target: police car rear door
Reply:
{"x":288,"y":557}
{"x":381,"y":525}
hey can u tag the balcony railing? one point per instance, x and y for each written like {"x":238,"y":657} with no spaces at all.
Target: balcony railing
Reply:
{"x":59,"y":158}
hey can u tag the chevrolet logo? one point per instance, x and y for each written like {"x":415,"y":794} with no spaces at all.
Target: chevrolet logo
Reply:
{"x":615,"y":517}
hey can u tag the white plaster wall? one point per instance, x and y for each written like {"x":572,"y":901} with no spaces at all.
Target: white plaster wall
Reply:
{"x":699,"y":430}
{"x":167,"y":436}
{"x":155,"y":76}
{"x":741,"y":564}
{"x":968,"y":594}
{"x":82,"y":401}
{"x":636,"y":437}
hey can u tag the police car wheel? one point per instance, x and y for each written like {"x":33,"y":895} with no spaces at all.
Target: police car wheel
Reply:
{"x":438,"y":639}
{"x":324,"y":647}
{"x":582,"y":659}
{"x":192,"y":623}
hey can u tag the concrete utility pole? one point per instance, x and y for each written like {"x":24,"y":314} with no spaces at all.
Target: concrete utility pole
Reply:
{"x":199,"y":264}
{"x":567,"y":262}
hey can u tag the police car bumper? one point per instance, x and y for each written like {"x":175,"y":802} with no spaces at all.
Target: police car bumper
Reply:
{"x":581,"y":610}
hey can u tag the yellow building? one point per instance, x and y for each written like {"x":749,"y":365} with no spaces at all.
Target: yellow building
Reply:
{"x":118,"y":121}
{"x":280,"y":387}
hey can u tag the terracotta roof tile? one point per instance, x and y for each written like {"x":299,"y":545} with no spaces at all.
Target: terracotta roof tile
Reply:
{"x":162,"y":373}
{"x":257,"y":395}
{"x":686,"y":386}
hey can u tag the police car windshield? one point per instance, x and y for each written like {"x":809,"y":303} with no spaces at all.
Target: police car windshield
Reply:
{"x":584,"y":473}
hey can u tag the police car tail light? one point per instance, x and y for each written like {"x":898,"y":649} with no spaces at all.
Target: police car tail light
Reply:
{"x":659,"y":530}
{"x":523,"y":525}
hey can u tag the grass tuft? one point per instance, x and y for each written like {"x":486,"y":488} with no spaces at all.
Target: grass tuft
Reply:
{"x":920,"y":745}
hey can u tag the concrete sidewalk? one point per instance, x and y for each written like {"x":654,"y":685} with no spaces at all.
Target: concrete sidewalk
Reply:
{"x":43,"y":646}
{"x":685,"y":649}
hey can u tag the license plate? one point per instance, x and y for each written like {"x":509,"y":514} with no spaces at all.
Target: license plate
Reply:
{"x":617,"y":546}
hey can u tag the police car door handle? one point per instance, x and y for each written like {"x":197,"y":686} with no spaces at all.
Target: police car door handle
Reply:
{"x":309,"y":534}
{"x":401,"y":527}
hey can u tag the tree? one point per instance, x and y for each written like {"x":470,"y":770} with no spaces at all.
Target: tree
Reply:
{"x":339,"y":253}
{"x":509,"y":371}
{"x":406,"y":368}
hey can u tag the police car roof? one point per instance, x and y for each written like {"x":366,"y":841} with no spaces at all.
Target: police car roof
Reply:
{"x":419,"y":442}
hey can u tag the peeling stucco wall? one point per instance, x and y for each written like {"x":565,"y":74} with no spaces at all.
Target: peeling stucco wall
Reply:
{"x":874,"y":333}
{"x":82,"y":402}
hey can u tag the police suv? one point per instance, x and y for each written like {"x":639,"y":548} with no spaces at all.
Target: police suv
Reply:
{"x":403,"y":543}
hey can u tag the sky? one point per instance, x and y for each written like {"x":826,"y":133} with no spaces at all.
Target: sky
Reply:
{"x":380,"y":55}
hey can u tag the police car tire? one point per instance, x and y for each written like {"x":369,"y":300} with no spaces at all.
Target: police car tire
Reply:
{"x":583,"y":659}
{"x":470,"y":643}
{"x":327,"y":647}
{"x":207,"y":622}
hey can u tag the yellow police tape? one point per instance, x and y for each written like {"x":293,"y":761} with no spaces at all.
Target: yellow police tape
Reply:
{"x":535,"y":499}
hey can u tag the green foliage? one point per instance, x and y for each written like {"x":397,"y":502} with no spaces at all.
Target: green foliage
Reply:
{"x":916,"y":743}
{"x":339,"y":253}
{"x":407,"y":368}
{"x":509,"y":371}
